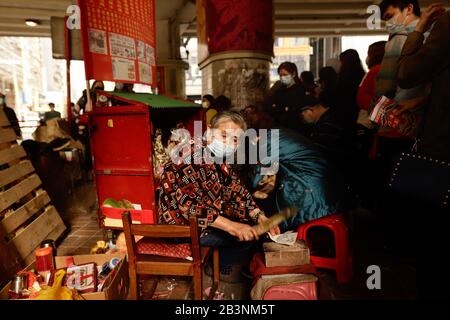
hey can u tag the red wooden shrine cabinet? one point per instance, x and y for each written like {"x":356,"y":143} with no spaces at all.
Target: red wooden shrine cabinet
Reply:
{"x":122,"y":150}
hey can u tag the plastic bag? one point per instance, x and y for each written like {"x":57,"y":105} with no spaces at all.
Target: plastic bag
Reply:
{"x":57,"y":291}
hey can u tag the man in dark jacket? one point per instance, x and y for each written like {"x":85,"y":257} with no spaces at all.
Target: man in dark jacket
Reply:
{"x":337,"y":141}
{"x":10,"y":115}
{"x":420,"y":63}
{"x":430,"y":62}
{"x":327,"y":130}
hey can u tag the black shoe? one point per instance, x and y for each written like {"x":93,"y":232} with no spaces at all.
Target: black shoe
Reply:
{"x":245,"y":272}
{"x":231,"y":273}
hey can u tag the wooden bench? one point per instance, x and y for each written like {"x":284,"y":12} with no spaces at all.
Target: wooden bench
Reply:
{"x":26,"y":215}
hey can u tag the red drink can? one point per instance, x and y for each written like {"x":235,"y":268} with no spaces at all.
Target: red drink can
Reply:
{"x":44,"y":259}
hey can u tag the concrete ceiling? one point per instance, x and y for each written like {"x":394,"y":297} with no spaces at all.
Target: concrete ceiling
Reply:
{"x":13,"y":14}
{"x":309,"y":18}
{"x":292,"y":17}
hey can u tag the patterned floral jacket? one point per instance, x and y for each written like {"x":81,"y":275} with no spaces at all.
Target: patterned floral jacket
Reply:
{"x":206,"y":190}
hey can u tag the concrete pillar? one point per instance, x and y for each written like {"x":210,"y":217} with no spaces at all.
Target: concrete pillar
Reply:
{"x":325,"y":53}
{"x":235,"y":43}
{"x":170,"y":67}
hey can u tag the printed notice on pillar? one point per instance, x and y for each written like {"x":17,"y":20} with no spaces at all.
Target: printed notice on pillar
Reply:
{"x":145,"y":71}
{"x":119,"y":40}
{"x":97,"y":41}
{"x":123,"y":69}
{"x":122,"y":46}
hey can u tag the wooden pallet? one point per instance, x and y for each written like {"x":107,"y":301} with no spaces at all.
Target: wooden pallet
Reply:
{"x":26,"y":214}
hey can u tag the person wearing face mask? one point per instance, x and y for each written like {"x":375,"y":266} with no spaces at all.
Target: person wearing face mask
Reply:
{"x":401,"y":18}
{"x":82,"y":102}
{"x":122,"y":87}
{"x":200,"y":183}
{"x":208,"y":106}
{"x":10,"y":115}
{"x":285,"y":96}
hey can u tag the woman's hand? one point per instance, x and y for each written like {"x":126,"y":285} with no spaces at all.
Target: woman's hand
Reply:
{"x":410,"y":104}
{"x":275,"y":230}
{"x":430,"y":15}
{"x":242,"y":231}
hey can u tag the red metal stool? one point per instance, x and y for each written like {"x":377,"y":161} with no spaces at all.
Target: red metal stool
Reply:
{"x":342,"y":263}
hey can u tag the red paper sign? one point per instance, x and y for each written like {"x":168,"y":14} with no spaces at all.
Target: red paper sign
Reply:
{"x":119,"y":40}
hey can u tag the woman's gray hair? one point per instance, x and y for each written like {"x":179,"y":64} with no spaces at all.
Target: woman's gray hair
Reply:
{"x":230,"y":115}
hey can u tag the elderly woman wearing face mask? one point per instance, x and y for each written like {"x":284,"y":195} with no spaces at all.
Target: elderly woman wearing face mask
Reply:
{"x":201,"y":182}
{"x":285,"y":96}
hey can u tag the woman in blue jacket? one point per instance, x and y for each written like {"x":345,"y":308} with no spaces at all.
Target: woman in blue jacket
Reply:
{"x":304,"y":179}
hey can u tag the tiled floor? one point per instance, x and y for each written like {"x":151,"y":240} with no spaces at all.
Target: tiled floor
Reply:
{"x":398,"y":277}
{"x":81,"y":220}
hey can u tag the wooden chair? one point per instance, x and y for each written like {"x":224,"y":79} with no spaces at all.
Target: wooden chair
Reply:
{"x":144,"y":264}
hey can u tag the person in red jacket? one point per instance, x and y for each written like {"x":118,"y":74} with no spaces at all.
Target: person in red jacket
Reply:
{"x":366,"y":90}
{"x":366,"y":93}
{"x":365,"y":127}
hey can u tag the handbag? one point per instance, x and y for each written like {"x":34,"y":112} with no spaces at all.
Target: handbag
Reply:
{"x":422,"y":181}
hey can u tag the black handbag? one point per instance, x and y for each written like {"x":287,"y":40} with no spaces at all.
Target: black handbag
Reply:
{"x":421,"y":181}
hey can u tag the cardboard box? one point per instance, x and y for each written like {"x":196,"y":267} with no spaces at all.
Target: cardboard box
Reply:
{"x":117,"y":288}
{"x":280,"y":255}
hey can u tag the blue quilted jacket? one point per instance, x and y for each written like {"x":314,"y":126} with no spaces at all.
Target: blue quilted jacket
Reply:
{"x":304,"y":179}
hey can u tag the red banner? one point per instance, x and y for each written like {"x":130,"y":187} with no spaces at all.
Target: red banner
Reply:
{"x":119,"y":40}
{"x":239,"y":25}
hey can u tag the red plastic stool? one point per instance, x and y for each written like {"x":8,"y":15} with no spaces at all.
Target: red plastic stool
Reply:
{"x":342,"y":263}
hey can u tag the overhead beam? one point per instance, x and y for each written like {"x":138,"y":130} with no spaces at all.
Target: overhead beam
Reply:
{"x":37,"y":4}
{"x":280,"y":20}
{"x":25,"y":32}
{"x":323,"y":1}
{"x":18,"y":23}
{"x":325,"y":26}
{"x":317,"y":33}
{"x":320,"y":8}
{"x":326,"y":34}
{"x":20,"y":13}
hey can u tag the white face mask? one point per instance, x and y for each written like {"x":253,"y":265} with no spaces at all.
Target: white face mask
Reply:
{"x":287,"y":80}
{"x":394,"y":26}
{"x":220,"y":149}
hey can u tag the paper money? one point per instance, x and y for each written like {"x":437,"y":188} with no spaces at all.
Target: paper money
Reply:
{"x":275,"y":220}
{"x":288,"y":238}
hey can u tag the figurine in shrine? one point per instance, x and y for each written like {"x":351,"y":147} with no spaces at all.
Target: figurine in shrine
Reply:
{"x":160,"y":157}
{"x":179,"y":135}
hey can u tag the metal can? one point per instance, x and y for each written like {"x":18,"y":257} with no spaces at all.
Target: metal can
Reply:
{"x":19,"y":283}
